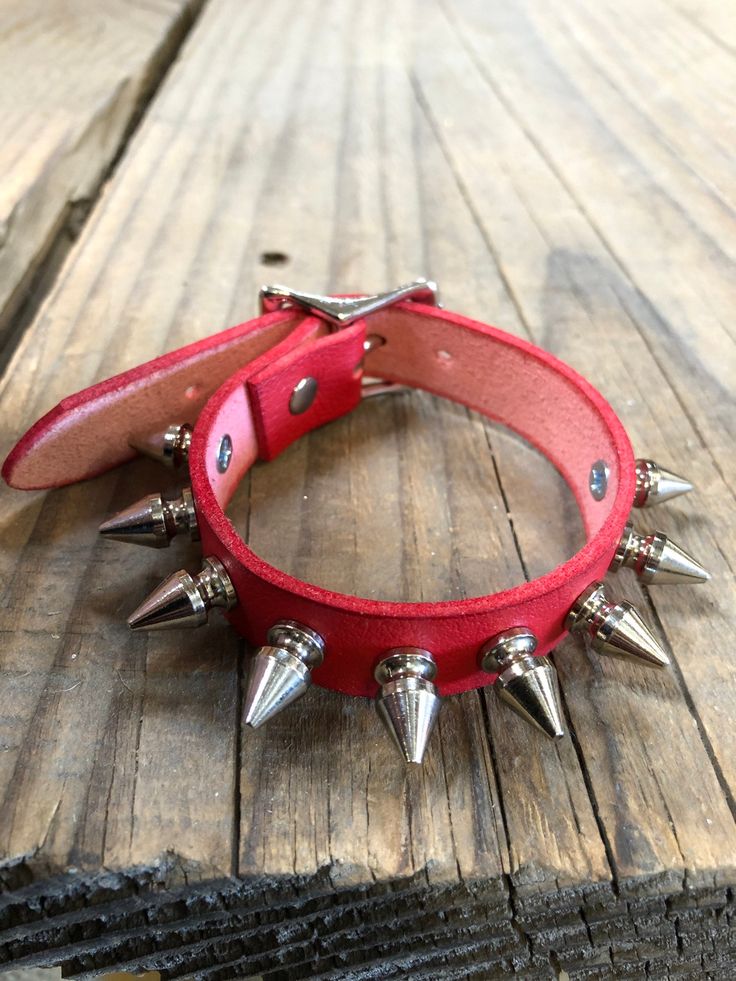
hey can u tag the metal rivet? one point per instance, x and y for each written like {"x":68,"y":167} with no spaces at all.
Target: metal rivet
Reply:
{"x":303,"y":395}
{"x":598,"y":479}
{"x":373,"y":341}
{"x":224,"y":453}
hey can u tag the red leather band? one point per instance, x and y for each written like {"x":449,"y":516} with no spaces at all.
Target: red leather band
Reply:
{"x":88,"y":433}
{"x":497,"y":374}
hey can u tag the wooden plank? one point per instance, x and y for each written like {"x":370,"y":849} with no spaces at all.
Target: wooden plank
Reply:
{"x":631,"y":206}
{"x":75,"y":76}
{"x":575,"y":283}
{"x":305,"y":847}
{"x":138,"y":790}
{"x":654,"y":104}
{"x":345,"y":541}
{"x":715,"y":20}
{"x":711,"y":221}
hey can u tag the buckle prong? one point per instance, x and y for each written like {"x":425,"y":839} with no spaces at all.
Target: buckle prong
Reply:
{"x":341,"y":311}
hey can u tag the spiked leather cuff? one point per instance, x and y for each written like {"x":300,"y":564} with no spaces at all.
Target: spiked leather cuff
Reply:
{"x":251,"y":390}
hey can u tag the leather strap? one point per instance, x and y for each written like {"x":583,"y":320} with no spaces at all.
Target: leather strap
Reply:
{"x":88,"y":433}
{"x":499,"y":375}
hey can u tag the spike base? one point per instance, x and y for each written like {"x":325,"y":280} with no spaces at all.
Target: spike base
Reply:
{"x":154,"y":521}
{"x":527,"y":683}
{"x":184,"y":600}
{"x":656,"y":559}
{"x":655,"y":484}
{"x":281,"y":671}
{"x":170,"y":447}
{"x":615,"y":629}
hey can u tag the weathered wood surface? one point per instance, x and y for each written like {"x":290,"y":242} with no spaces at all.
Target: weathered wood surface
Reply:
{"x":74,"y":76}
{"x":556,"y":182}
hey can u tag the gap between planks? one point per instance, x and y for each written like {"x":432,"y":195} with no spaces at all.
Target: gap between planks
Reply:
{"x":29,"y":292}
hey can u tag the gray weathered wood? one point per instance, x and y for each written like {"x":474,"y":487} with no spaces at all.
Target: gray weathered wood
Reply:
{"x":75,"y":74}
{"x":525,"y":158}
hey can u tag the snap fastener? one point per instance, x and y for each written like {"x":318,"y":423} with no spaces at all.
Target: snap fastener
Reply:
{"x":305,"y":392}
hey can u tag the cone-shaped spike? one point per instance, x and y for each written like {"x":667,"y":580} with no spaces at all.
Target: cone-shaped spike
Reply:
{"x":407,"y":702}
{"x":655,"y":484}
{"x":184,"y":600}
{"x":154,"y":521}
{"x":142,"y":523}
{"x":615,"y":629}
{"x":170,"y":447}
{"x":281,"y":671}
{"x":656,"y":559}
{"x":534,"y":695}
{"x":176,"y":602}
{"x":528,"y":684}
{"x":674,"y":564}
{"x":276,"y":680}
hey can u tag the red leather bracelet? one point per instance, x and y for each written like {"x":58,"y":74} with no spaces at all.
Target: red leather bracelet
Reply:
{"x":252,"y":390}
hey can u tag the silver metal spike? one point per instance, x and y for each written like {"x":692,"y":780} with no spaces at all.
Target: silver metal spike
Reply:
{"x":280,"y":672}
{"x":170,"y":447}
{"x":154,"y":520}
{"x":655,"y":484}
{"x":184,"y":600}
{"x":528,"y":684}
{"x":615,"y":629}
{"x":656,"y":559}
{"x":341,"y":311}
{"x":407,"y":702}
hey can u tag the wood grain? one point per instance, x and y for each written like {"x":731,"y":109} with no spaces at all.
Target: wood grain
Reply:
{"x":75,"y":76}
{"x":588,"y":275}
{"x":556,"y":184}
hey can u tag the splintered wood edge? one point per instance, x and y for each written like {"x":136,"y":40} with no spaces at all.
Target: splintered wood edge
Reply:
{"x":253,"y":925}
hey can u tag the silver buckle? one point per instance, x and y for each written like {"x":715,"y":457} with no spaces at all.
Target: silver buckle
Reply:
{"x":340,"y":312}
